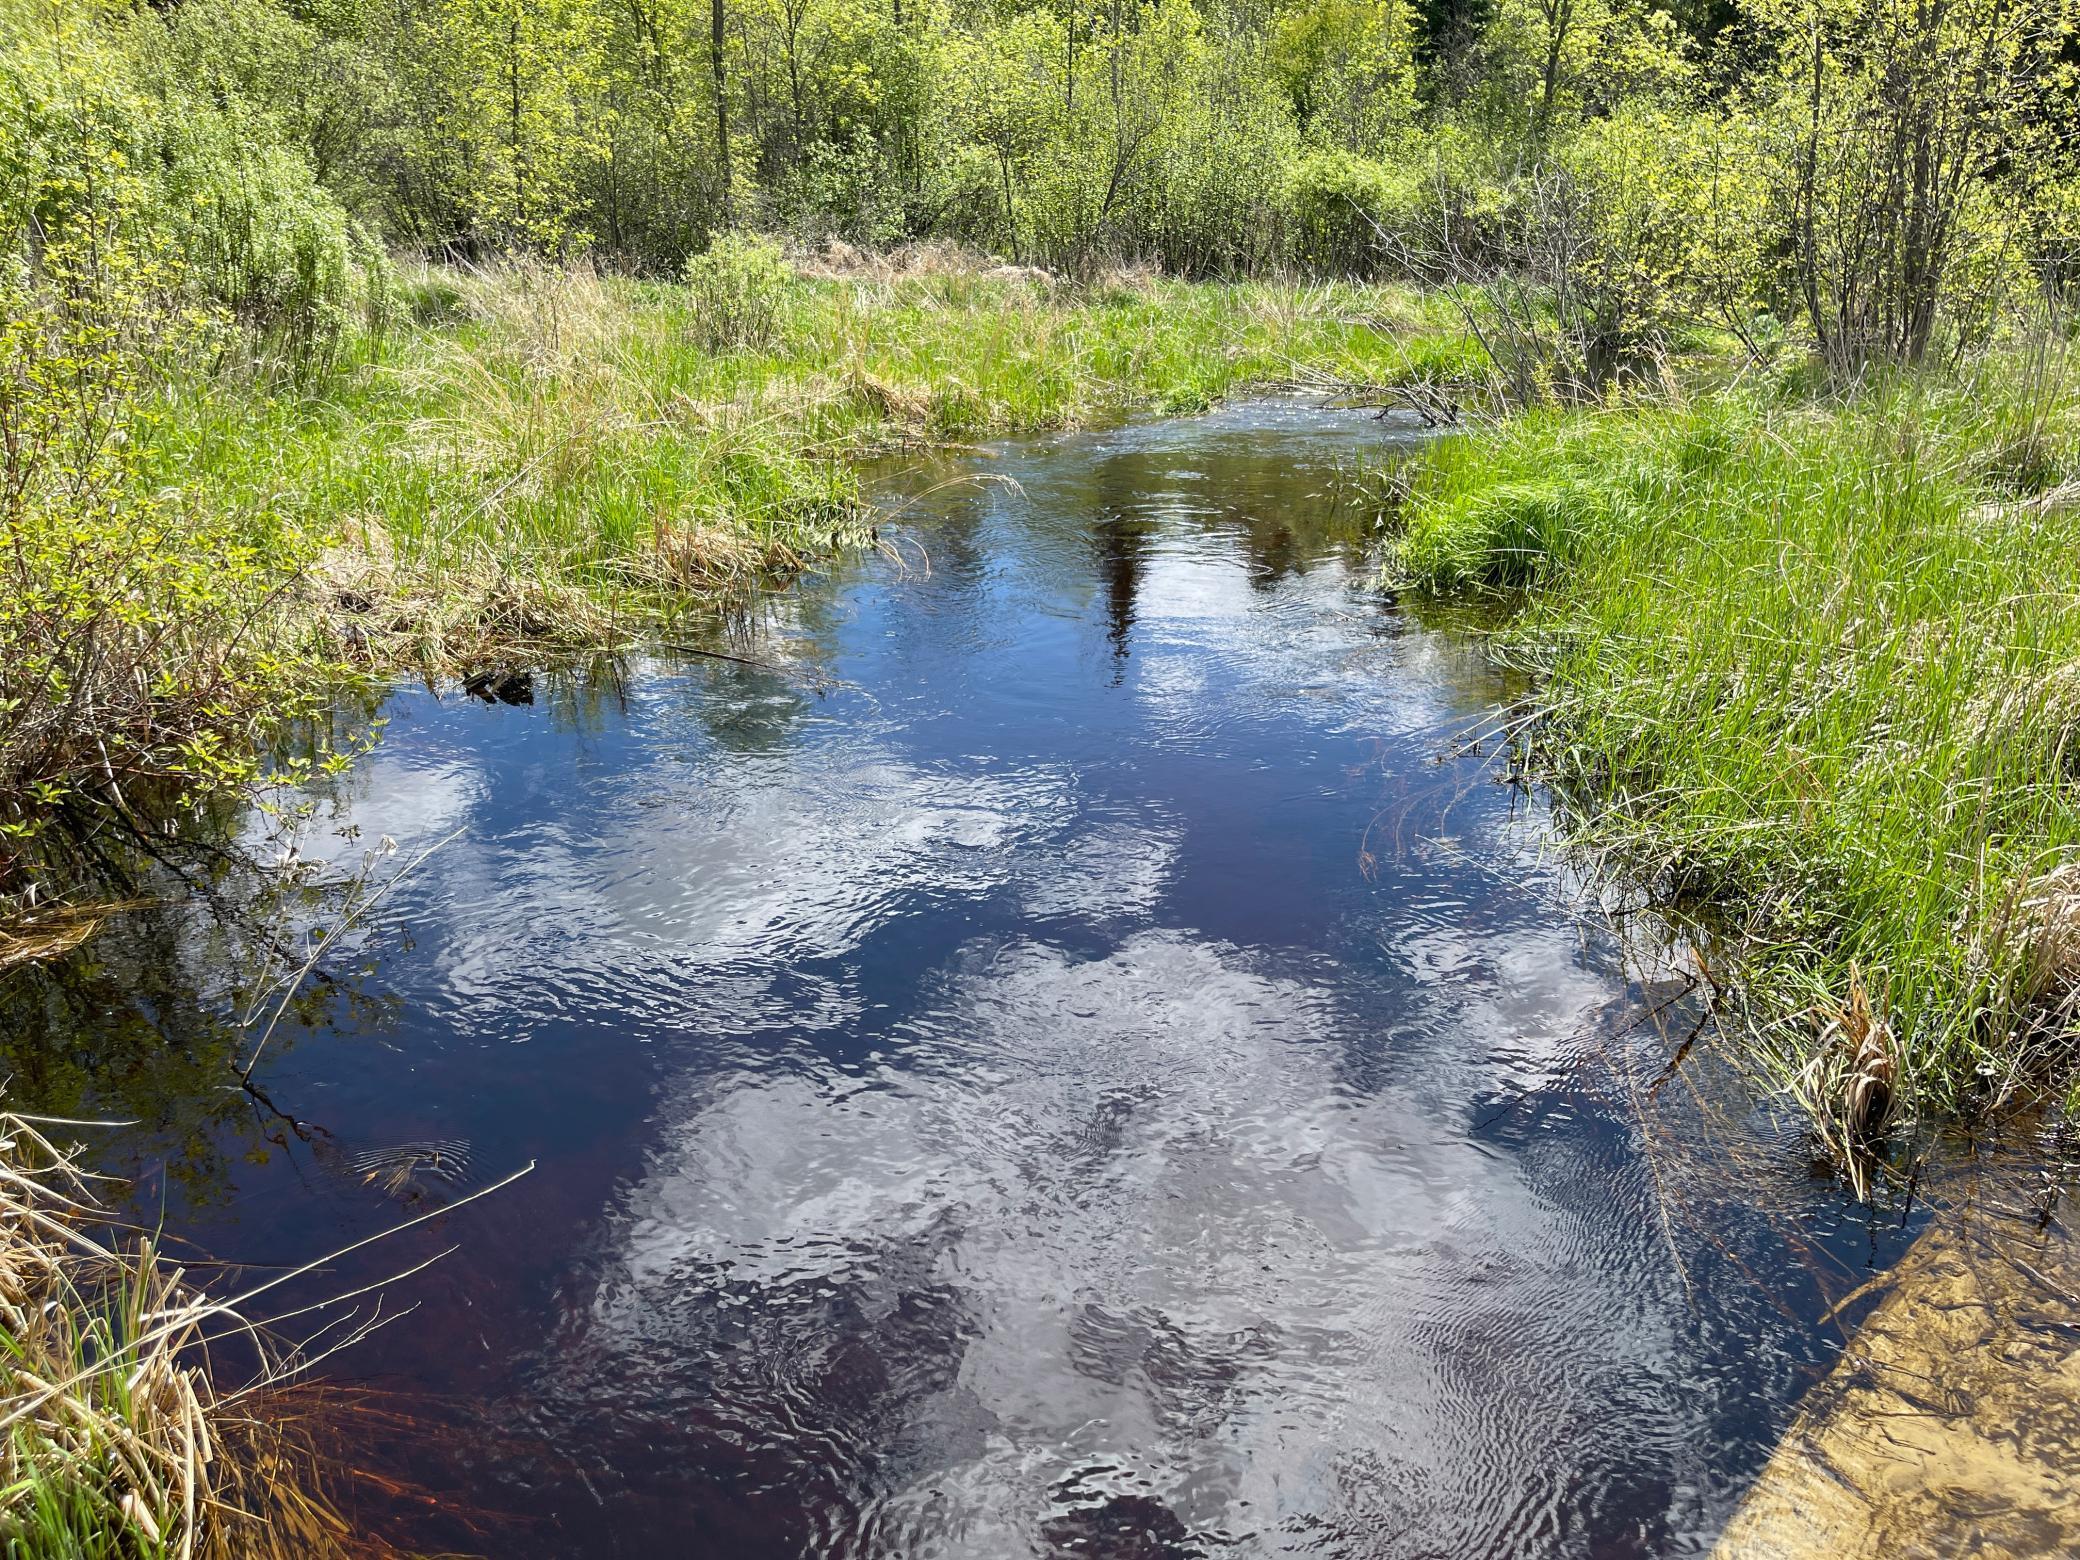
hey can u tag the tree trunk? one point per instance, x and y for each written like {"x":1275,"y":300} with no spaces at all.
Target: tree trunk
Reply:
{"x":513,"y":84}
{"x":715,"y":39}
{"x":1010,"y":213}
{"x":1559,"y":18}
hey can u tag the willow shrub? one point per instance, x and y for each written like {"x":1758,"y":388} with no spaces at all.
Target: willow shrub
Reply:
{"x":736,"y":289}
{"x":144,"y":644}
{"x":101,"y":134}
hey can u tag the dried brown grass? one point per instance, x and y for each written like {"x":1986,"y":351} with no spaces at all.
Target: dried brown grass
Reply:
{"x":836,"y":260}
{"x":2037,"y":927}
{"x":385,"y":614}
{"x":48,"y":933}
{"x":1851,"y":1082}
{"x":119,"y":1439}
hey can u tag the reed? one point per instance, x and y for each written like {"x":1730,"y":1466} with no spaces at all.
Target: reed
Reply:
{"x":117,"y":1437}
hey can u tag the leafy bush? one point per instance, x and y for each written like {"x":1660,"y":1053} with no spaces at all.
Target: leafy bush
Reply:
{"x":1910,"y":150}
{"x":1433,"y":207}
{"x":140,"y":641}
{"x":736,"y":289}
{"x":1625,"y":235}
{"x":100,"y":132}
{"x":1348,"y":213}
{"x":256,"y":233}
{"x":1661,"y":220}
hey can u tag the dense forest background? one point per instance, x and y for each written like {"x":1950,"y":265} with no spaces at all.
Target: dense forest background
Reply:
{"x":1888,"y":175}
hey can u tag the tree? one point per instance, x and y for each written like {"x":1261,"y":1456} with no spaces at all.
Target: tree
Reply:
{"x":716,"y":40}
{"x":1006,"y":101}
{"x":526,"y":108}
{"x":1552,"y":63}
{"x":1911,"y":134}
{"x":1348,"y":68}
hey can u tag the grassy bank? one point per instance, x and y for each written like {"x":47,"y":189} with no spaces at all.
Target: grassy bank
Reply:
{"x":546,"y":456}
{"x":524,"y":462}
{"x":1813,"y":671}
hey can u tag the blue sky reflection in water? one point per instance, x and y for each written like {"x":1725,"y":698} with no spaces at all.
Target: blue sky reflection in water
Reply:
{"x":1070,"y":1065}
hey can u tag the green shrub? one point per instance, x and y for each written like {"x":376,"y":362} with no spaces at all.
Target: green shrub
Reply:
{"x":142,"y":643}
{"x":142,"y":638}
{"x":1658,"y":218}
{"x":256,"y":233}
{"x":736,"y":289}
{"x":1347,"y":213}
{"x":101,"y":132}
{"x":1434,"y":207}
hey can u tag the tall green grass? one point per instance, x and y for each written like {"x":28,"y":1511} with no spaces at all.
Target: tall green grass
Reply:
{"x":551,"y":455}
{"x":1813,"y":670}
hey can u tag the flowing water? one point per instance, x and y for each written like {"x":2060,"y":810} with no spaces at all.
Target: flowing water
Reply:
{"x":1057,"y":1049}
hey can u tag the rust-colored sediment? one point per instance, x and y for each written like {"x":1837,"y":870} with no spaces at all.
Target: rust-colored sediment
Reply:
{"x":1951,"y":1427}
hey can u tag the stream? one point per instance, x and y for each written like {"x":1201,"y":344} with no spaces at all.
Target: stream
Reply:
{"x":1061,"y":1047}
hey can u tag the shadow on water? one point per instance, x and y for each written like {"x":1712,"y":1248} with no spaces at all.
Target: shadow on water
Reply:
{"x":1048,"y":1048}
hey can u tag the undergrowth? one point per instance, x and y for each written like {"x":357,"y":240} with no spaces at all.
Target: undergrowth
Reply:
{"x":1813,"y":672}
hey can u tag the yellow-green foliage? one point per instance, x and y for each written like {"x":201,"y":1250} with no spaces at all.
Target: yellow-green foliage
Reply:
{"x":106,"y":127}
{"x":1665,"y":223}
{"x":141,"y":640}
{"x":512,"y":112}
{"x":1349,"y":68}
{"x":142,"y":644}
{"x":1555,"y":62}
{"x":736,"y":290}
{"x":1165,"y":142}
{"x":1912,"y":151}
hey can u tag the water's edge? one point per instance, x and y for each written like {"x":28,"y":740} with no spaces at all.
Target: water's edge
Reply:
{"x":1055,"y":1050}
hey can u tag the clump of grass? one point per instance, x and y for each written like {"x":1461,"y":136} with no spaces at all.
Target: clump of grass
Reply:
{"x":119,"y":1442}
{"x":1813,"y":672}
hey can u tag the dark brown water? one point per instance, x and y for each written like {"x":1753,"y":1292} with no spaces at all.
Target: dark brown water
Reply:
{"x":1064,"y":1061}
